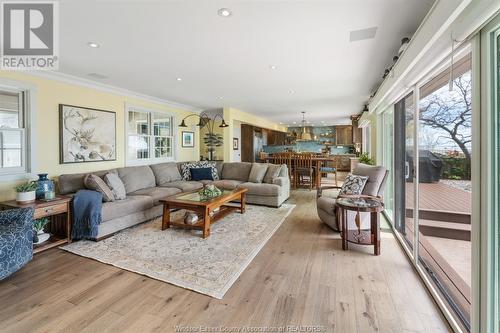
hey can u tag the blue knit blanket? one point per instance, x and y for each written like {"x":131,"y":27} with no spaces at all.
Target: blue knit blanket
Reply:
{"x":86,"y":211}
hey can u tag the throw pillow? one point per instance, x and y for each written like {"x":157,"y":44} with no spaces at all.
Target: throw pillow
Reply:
{"x":116,"y":186}
{"x":353,"y":184}
{"x":257,"y":172}
{"x":186,"y":169}
{"x":201,"y":174}
{"x":273,"y":171}
{"x":95,"y":183}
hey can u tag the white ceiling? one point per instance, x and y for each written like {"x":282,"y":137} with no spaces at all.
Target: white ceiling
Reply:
{"x":146,"y":45}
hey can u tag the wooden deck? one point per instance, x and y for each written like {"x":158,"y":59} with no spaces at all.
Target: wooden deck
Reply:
{"x":440,"y":197}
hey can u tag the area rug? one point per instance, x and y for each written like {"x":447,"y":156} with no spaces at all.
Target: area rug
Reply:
{"x":181,"y":257}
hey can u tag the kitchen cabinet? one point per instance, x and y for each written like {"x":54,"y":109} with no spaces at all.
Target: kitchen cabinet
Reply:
{"x":343,"y":135}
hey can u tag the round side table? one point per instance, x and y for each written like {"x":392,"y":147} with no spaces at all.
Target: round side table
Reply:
{"x":358,"y":235}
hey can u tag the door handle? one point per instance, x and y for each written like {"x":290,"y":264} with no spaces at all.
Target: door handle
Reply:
{"x":407,"y":170}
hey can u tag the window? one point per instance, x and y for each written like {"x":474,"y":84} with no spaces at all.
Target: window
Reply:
{"x":149,"y":136}
{"x":13,"y":154}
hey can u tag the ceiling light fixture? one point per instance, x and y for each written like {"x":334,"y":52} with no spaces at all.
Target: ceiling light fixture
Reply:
{"x":273,"y":67}
{"x":93,"y":45}
{"x":179,"y":79}
{"x":224,"y":12}
{"x":291,"y":91}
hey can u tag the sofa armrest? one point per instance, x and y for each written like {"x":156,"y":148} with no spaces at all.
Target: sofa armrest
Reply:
{"x":282,"y":181}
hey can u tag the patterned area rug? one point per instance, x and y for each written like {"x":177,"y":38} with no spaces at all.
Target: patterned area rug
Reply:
{"x":181,"y":257}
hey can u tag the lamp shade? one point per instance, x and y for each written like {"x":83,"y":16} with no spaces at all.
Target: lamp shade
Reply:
{"x":223,"y":124}
{"x":183,"y":124}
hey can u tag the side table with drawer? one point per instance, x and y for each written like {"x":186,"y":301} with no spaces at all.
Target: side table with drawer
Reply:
{"x":59,"y":214}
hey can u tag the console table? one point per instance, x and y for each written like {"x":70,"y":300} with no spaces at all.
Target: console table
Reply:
{"x":59,"y":213}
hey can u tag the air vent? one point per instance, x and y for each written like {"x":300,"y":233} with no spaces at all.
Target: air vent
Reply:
{"x":363,"y":34}
{"x":97,"y":76}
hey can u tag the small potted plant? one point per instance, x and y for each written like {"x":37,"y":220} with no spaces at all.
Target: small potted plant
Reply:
{"x":366,"y":159}
{"x":39,"y":236}
{"x":26,"y":192}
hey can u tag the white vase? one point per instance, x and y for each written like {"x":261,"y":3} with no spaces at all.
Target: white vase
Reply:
{"x":42,"y":237}
{"x":25,"y":197}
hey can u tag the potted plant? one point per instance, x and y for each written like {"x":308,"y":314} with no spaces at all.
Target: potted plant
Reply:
{"x":26,"y":192}
{"x":366,"y":159}
{"x":39,"y":236}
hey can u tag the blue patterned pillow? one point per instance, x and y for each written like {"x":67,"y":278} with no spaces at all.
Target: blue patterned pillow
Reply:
{"x":354,"y":184}
{"x":186,"y":169}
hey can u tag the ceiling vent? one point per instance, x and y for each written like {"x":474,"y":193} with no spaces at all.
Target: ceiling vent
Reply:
{"x":363,"y":34}
{"x":97,"y":76}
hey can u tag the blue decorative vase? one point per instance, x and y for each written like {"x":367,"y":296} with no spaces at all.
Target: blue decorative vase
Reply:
{"x":45,"y":188}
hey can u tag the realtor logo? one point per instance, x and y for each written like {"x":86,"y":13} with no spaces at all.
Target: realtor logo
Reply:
{"x":29,"y":36}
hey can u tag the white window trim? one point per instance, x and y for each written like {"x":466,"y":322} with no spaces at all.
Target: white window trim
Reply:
{"x":30,"y":111}
{"x":148,"y":161}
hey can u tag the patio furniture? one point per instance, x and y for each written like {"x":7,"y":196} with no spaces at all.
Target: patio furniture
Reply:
{"x":16,"y":240}
{"x":359,"y":235}
{"x":326,"y":204}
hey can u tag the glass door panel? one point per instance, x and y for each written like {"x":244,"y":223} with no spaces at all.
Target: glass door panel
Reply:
{"x":388,"y":151}
{"x":444,"y":184}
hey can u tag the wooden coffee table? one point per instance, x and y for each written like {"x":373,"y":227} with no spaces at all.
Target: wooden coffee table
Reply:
{"x":193,"y":201}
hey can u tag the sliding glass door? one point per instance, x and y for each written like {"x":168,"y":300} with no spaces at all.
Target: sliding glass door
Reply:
{"x":444,"y":190}
{"x":433,"y":183}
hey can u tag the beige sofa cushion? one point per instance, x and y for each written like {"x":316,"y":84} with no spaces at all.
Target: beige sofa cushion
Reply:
{"x":95,"y":183}
{"x":273,"y":171}
{"x":184,"y":185}
{"x":137,"y":177}
{"x":227,"y":184}
{"x":116,"y":186}
{"x":236,"y":171}
{"x":129,"y":205}
{"x":257,"y":172}
{"x":70,"y":183}
{"x":265,"y":190}
{"x":157,"y":193}
{"x":166,"y":173}
{"x":375,"y":176}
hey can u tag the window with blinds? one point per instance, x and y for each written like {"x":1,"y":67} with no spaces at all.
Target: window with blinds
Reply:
{"x":12,"y":133}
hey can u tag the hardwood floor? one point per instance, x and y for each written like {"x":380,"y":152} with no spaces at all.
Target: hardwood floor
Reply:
{"x":301,"y":277}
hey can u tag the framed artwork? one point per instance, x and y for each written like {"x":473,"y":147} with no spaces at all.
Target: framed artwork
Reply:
{"x":235,"y":144}
{"x":187,"y":139}
{"x":86,"y":135}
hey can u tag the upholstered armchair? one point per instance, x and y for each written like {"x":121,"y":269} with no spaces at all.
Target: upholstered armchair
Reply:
{"x":326,"y":202}
{"x":16,"y":239}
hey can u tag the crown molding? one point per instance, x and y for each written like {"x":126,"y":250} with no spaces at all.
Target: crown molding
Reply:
{"x":71,"y":79}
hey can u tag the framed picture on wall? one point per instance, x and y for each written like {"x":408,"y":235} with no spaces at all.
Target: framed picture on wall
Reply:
{"x":86,"y":134}
{"x":235,"y":144}
{"x":187,"y":139}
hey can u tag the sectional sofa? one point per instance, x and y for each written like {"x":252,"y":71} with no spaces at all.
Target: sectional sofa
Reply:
{"x":146,"y":185}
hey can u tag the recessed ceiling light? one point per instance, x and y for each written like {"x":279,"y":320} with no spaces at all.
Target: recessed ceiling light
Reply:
{"x":291,"y":91}
{"x":224,"y":12}
{"x":93,"y":45}
{"x":273,"y":67}
{"x":281,"y":123}
{"x":294,"y":122}
{"x":220,"y":97}
{"x":179,"y":79}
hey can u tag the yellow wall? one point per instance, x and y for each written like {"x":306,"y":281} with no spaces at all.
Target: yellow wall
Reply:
{"x":233,"y":114}
{"x":219,"y":151}
{"x":50,"y":93}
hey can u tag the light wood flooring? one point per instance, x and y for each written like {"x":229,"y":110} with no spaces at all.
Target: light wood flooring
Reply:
{"x":301,"y":277}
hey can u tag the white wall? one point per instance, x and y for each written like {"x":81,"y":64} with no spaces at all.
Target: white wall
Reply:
{"x":236,"y":134}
